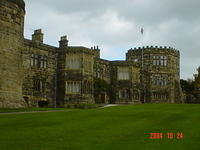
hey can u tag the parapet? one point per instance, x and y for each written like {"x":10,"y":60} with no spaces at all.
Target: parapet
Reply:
{"x":20,"y":3}
{"x":95,"y":48}
{"x":150,"y":48}
{"x":96,"y":51}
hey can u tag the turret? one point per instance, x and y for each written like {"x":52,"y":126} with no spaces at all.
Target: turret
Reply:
{"x":11,"y":42}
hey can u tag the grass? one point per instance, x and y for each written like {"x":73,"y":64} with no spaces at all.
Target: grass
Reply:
{"x":112,"y":128}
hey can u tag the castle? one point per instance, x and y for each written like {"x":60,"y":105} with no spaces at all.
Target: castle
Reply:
{"x":33,"y":73}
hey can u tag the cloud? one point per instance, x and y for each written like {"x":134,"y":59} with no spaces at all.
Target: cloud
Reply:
{"x":115,"y":25}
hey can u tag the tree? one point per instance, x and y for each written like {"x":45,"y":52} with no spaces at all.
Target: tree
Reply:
{"x":188,"y":90}
{"x":187,"y":86}
{"x":100,"y":86}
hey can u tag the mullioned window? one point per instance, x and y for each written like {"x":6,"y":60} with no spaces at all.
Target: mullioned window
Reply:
{"x":160,"y":60}
{"x":39,"y":61}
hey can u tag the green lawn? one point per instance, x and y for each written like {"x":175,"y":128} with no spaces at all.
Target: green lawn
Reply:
{"x":112,"y":128}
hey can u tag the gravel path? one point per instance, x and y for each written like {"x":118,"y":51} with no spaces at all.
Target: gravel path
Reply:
{"x":31,"y":112}
{"x":111,"y":105}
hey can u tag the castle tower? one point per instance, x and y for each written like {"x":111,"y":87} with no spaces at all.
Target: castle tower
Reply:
{"x":11,"y":43}
{"x":160,"y":74}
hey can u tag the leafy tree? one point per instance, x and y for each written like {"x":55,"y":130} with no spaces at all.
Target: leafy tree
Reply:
{"x":187,"y":86}
{"x":100,"y":86}
{"x":191,"y":88}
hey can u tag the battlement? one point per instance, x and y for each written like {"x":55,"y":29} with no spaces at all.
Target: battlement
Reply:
{"x":20,"y":3}
{"x":150,"y":48}
{"x":95,"y":48}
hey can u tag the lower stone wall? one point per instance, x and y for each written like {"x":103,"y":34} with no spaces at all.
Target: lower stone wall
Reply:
{"x":8,"y":100}
{"x":78,"y":99}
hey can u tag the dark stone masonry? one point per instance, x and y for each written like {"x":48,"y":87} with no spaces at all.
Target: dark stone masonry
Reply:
{"x":34,"y":74}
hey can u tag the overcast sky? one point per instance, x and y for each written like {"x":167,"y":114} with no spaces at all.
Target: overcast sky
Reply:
{"x":115,"y":25}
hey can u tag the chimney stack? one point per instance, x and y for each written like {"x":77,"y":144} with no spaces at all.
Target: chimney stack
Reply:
{"x":63,"y":41}
{"x":38,"y":36}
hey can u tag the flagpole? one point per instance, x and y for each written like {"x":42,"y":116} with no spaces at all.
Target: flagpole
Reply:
{"x":142,"y":67}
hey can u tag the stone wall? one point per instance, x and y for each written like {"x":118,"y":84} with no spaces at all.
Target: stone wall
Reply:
{"x":161,"y":64}
{"x":32,"y":72}
{"x":75,"y":73}
{"x":102,"y":76}
{"x":125,"y":81}
{"x":102,"y":69}
{"x":11,"y":43}
{"x":44,"y":71}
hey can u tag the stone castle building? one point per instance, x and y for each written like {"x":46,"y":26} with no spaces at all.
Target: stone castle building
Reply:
{"x":33,"y":73}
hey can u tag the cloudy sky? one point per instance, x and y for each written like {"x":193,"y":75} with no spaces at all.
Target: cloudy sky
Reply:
{"x":115,"y":25}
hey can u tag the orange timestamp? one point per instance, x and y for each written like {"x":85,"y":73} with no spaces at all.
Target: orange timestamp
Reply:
{"x":169,"y":135}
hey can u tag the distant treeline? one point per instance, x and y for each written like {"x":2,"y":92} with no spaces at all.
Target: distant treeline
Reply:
{"x":191,"y":90}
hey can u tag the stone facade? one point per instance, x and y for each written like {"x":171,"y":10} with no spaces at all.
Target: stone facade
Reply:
{"x":39,"y":71}
{"x":160,"y":73}
{"x":125,"y":82}
{"x":11,"y":44}
{"x":75,"y":74}
{"x":35,"y":74}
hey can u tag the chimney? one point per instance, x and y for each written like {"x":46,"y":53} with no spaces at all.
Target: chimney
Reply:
{"x":63,"y":41}
{"x":38,"y":36}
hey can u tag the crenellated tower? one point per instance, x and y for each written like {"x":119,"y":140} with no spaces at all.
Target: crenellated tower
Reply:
{"x":11,"y":43}
{"x":160,"y":74}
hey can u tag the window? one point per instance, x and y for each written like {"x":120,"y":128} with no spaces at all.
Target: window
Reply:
{"x":124,"y":93}
{"x":98,"y":72}
{"x":165,"y":60}
{"x":136,"y":76}
{"x":34,"y":60}
{"x":160,"y":96}
{"x":38,"y":85}
{"x":43,"y":61}
{"x":88,"y":65}
{"x":160,"y":60}
{"x":159,"y":80}
{"x":136,"y":95}
{"x":73,"y":62}
{"x":135,"y":59}
{"x":38,"y":61}
{"x":73,"y":87}
{"x":123,"y":73}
